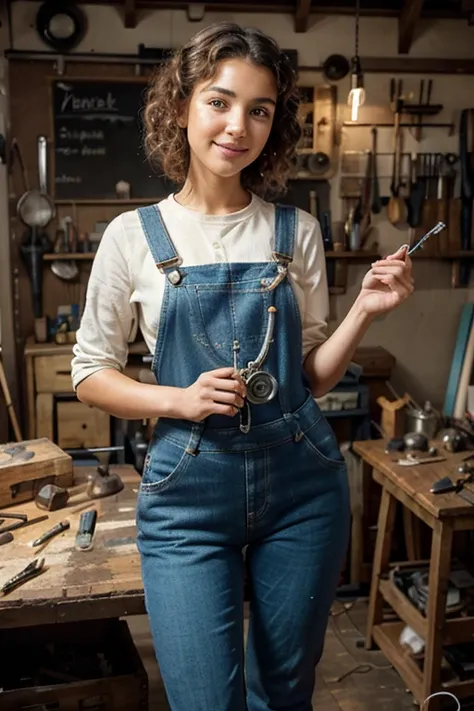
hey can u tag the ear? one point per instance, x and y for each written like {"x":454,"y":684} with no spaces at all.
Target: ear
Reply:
{"x":183,"y":116}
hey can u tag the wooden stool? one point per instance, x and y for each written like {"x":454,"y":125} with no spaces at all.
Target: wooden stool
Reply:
{"x":444,"y":514}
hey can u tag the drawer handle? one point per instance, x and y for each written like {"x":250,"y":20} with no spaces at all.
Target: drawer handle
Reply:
{"x":63,"y":372}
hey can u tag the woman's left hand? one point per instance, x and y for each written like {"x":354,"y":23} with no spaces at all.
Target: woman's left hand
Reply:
{"x":388,"y":283}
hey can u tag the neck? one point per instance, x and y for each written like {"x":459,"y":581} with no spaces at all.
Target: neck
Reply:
{"x":211,"y":194}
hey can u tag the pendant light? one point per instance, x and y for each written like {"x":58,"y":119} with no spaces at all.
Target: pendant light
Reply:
{"x":357,"y":93}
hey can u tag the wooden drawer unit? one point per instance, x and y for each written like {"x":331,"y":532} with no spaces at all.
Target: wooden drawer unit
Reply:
{"x":53,"y":374}
{"x":79,"y":425}
{"x":53,"y":410}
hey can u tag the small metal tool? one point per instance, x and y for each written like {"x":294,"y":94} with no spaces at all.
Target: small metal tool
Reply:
{"x":36,"y":567}
{"x":21,"y":520}
{"x":47,"y":535}
{"x":85,"y":533}
{"x":261,"y":385}
{"x":434,"y":231}
{"x":411,"y":461}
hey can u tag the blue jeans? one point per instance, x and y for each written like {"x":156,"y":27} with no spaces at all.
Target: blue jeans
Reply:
{"x":287,"y":502}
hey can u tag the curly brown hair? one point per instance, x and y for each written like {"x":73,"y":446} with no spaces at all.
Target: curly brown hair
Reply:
{"x":166,"y":143}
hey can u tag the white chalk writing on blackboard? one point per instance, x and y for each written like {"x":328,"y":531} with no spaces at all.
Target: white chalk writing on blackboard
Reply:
{"x":66,"y":135}
{"x":68,"y":179}
{"x":96,"y":151}
{"x":88,"y":104}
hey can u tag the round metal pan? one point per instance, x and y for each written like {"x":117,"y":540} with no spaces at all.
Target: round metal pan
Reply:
{"x":35,"y":208}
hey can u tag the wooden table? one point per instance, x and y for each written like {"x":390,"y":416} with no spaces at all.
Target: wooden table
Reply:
{"x":104,"y":582}
{"x":444,"y":514}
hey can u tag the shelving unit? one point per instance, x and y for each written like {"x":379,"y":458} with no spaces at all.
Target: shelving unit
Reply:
{"x":69,"y":256}
{"x":117,"y":201}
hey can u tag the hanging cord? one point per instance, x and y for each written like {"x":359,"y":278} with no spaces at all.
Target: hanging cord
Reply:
{"x":357,"y":28}
{"x":363,"y":667}
{"x":442,"y":693}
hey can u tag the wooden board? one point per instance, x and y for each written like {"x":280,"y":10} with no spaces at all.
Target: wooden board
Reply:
{"x":21,"y":478}
{"x":415,"y":482}
{"x":103,"y":582}
{"x":464,"y":329}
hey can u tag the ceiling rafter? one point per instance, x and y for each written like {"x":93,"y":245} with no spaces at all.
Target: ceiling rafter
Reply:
{"x":409,"y":16}
{"x":130,"y":14}
{"x":303,"y":9}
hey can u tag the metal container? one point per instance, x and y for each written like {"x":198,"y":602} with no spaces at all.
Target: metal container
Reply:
{"x":426,"y":420}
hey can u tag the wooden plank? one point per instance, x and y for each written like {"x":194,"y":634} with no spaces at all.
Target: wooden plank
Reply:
{"x":403,"y":607}
{"x":383,"y":545}
{"x":44,"y":416}
{"x":440,"y":565}
{"x":387,"y":636}
{"x":302,"y":15}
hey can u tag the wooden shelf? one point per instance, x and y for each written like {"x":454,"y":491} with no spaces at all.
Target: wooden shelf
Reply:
{"x":387,"y":636}
{"x":362,"y":254}
{"x":132,"y":201}
{"x":461,"y":254}
{"x":69,"y":256}
{"x":456,"y":629}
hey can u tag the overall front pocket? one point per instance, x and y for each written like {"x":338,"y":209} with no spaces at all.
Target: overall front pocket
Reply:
{"x":165,"y":462}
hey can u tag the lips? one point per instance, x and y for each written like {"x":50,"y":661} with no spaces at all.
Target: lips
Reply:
{"x":231,"y":149}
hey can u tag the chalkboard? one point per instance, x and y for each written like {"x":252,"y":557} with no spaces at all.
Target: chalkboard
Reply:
{"x":98,"y":140}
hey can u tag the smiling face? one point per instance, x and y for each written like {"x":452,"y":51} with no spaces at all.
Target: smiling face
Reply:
{"x":229,"y":118}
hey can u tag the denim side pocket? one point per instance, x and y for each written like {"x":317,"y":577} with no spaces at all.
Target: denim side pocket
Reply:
{"x":321,"y":441}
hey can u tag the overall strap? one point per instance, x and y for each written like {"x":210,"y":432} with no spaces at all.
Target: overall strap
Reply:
{"x":286,"y":222}
{"x":160,"y":244}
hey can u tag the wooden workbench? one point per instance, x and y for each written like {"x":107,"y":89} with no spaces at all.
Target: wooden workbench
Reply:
{"x":444,"y":514}
{"x":104,"y":582}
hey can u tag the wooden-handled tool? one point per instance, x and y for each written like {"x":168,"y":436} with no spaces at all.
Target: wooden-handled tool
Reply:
{"x":396,"y":209}
{"x":9,"y":404}
{"x":375,"y":201}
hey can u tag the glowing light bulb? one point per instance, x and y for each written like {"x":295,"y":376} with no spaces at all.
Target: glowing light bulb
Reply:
{"x":356,"y":100}
{"x":356,"y":96}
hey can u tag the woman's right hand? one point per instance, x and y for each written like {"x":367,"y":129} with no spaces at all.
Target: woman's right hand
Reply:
{"x":216,"y":392}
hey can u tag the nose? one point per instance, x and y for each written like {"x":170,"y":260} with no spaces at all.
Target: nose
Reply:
{"x":237,"y":124}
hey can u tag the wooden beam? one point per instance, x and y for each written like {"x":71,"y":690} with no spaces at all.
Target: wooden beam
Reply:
{"x":130,"y":19}
{"x":409,"y":16}
{"x":303,"y":8}
{"x":405,"y":65}
{"x":467,"y":9}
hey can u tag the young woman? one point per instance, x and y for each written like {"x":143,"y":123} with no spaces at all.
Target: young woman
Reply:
{"x":230,"y":295}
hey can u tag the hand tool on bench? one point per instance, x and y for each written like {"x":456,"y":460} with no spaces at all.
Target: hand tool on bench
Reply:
{"x":36,"y":567}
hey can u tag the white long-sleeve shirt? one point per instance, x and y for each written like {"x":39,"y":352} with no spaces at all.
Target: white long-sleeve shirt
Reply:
{"x":125,"y":288}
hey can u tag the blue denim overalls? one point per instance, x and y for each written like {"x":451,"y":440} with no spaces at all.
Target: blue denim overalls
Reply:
{"x":275,"y":484}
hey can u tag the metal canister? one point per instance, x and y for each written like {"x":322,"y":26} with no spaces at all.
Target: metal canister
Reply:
{"x":426,"y":420}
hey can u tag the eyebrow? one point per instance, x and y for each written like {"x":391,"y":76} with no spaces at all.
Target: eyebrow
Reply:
{"x":233,"y":95}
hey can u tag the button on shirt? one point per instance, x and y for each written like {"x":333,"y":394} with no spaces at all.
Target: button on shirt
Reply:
{"x":125,"y":288}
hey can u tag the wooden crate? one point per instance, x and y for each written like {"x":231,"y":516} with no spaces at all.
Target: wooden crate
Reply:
{"x":21,"y":478}
{"x":120,"y":682}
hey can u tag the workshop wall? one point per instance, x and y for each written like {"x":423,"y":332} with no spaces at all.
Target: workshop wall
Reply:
{"x":421,"y":334}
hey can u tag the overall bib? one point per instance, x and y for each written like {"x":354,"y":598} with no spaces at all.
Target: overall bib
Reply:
{"x":209,"y":489}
